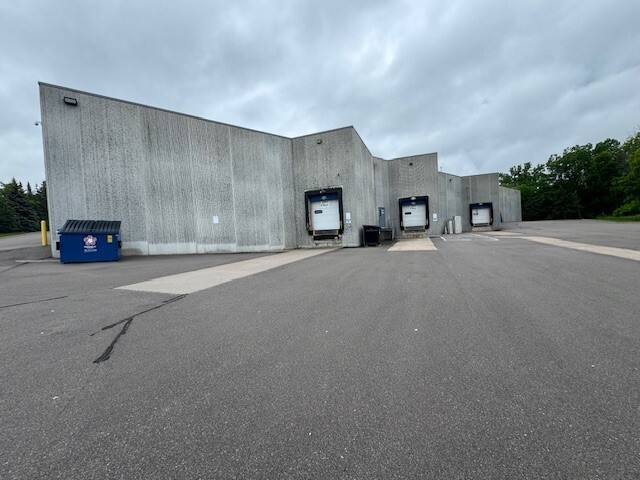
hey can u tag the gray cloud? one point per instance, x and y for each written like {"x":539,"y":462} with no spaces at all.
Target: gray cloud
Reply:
{"x":487,"y":84}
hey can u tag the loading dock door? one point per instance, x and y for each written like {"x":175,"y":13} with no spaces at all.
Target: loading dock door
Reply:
{"x":481,"y":214}
{"x":325,"y":213}
{"x":414,"y":214}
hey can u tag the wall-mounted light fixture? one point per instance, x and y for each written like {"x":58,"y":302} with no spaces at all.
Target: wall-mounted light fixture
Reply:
{"x":70,"y":101}
{"x":319,"y":141}
{"x":411,"y":164}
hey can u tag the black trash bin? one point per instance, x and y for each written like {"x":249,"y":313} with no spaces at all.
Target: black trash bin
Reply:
{"x":89,"y":241}
{"x":371,"y":235}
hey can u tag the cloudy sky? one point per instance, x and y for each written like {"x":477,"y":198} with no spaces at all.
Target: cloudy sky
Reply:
{"x":487,"y":84}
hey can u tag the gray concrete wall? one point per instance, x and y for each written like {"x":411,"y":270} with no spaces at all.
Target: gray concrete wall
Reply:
{"x":481,"y":189}
{"x":364,"y":203}
{"x":510,"y":204}
{"x":165,"y":175}
{"x":450,"y":191}
{"x":340,"y":160}
{"x":381,"y":188}
{"x":414,"y":176}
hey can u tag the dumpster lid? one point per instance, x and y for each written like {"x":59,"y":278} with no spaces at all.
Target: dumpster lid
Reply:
{"x":91,"y":226}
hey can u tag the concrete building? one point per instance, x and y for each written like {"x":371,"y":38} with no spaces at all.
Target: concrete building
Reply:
{"x":183,"y":184}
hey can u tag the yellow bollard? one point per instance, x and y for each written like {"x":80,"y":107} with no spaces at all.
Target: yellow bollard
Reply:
{"x":43,"y":233}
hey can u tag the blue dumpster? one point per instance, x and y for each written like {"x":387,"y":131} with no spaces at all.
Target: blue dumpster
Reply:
{"x":89,"y":241}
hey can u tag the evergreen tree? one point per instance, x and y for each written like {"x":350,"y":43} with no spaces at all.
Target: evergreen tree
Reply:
{"x":8,"y":217}
{"x":19,"y":202}
{"x":39,"y":203}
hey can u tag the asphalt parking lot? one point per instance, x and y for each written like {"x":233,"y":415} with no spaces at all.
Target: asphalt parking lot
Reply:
{"x":489,"y":356}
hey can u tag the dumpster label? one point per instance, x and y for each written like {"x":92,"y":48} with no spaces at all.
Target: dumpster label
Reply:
{"x":109,"y":238}
{"x":90,"y":244}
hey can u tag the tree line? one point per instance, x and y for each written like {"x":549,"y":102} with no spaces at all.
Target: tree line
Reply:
{"x":586,"y":181}
{"x":22,"y":208}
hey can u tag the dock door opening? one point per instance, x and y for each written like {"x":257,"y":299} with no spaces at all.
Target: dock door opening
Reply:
{"x":481,"y":214}
{"x":324,"y":213}
{"x":414,"y":213}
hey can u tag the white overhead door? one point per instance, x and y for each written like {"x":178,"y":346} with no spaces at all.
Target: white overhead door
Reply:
{"x":414,"y":215}
{"x":481,"y":216}
{"x":325,"y":214}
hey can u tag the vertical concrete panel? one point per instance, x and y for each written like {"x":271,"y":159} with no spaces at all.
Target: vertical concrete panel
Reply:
{"x":101,"y":173}
{"x":125,"y":156}
{"x":212,"y":180}
{"x":415,"y":176}
{"x":112,"y":166}
{"x":258,"y":189}
{"x":95,"y":158}
{"x":326,"y":159}
{"x":381,"y":187}
{"x":484,"y":189}
{"x":450,"y":192}
{"x":510,"y":204}
{"x":288,"y":196}
{"x":363,"y":207}
{"x":64,"y":169}
{"x":450,"y":195}
{"x":170,"y":221}
{"x":279,"y":185}
{"x":299,"y":155}
{"x":466,"y":189}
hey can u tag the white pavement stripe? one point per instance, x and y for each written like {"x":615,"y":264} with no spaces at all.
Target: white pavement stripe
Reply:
{"x":413,"y":245}
{"x":484,"y":237}
{"x":587,"y":247}
{"x":502,"y":234}
{"x":190,"y":282}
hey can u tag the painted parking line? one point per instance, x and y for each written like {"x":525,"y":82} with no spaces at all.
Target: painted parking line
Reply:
{"x":499,"y":233}
{"x":587,"y":247}
{"x":456,"y":238}
{"x":466,"y":237}
{"x":484,"y":237}
{"x":190,"y":282}
{"x":412,"y":245}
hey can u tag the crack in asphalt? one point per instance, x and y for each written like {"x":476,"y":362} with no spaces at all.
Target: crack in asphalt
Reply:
{"x":106,"y":355}
{"x":33,"y":301}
